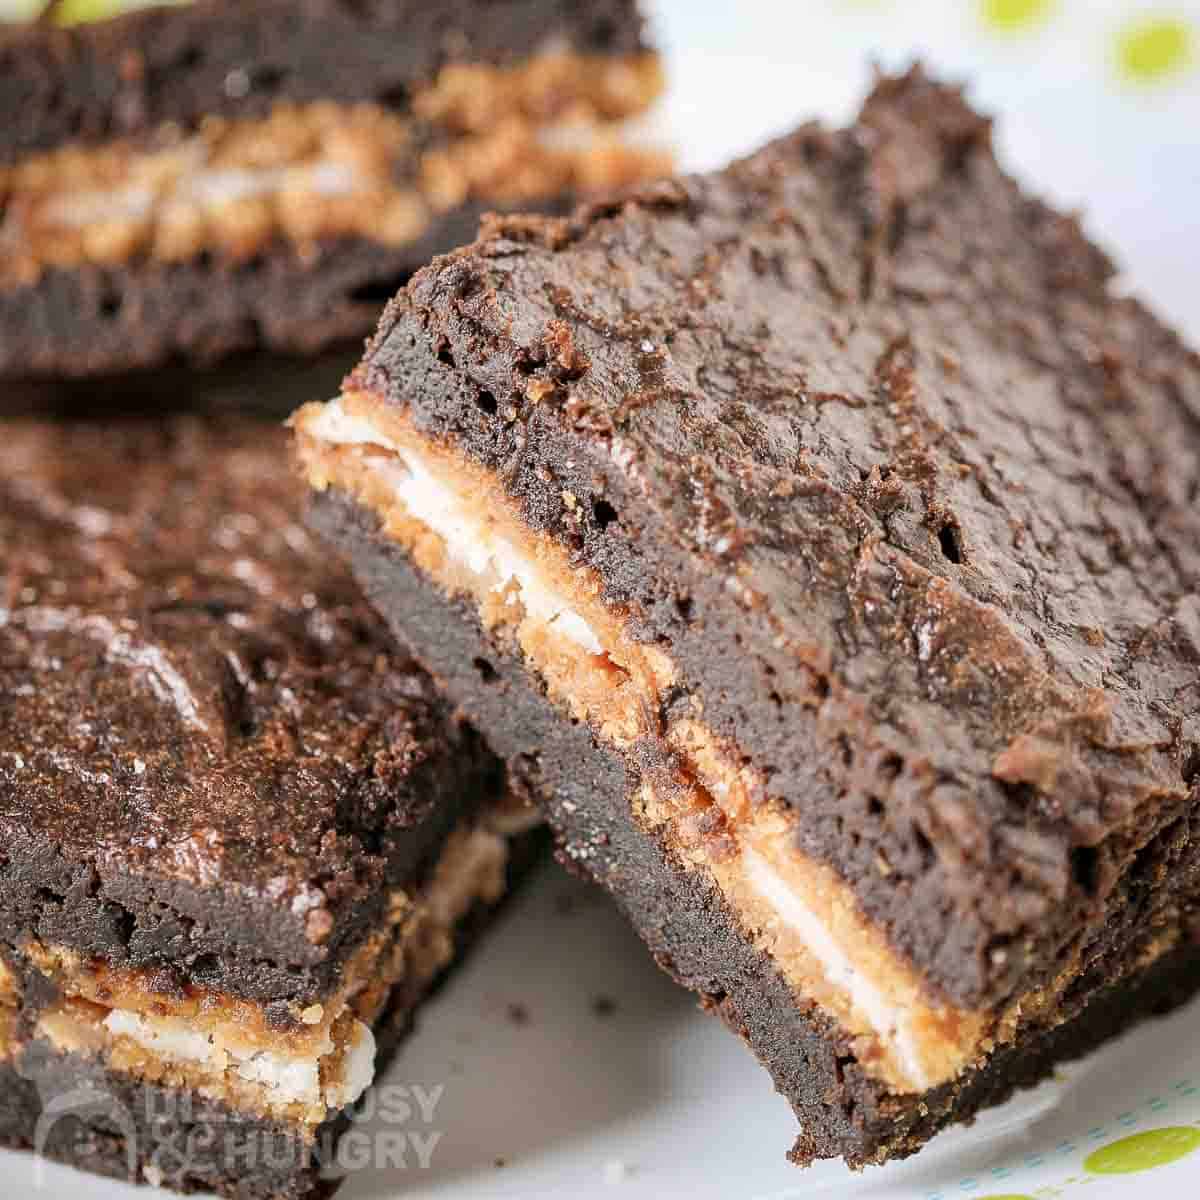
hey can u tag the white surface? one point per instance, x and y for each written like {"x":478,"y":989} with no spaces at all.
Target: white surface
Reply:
{"x":657,"y":1099}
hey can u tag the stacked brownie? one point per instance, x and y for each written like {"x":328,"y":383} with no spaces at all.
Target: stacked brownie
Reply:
{"x":240,"y":833}
{"x":825,"y":533}
{"x":182,"y":181}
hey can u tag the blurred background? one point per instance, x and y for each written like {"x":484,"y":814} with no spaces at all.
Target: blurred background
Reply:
{"x":1098,"y":100}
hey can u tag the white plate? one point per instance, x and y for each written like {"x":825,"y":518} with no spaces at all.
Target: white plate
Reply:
{"x":656,"y":1099}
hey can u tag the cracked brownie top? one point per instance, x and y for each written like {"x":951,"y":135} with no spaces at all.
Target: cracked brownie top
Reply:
{"x":866,"y":438}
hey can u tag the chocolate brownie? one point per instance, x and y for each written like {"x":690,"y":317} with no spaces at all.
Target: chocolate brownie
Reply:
{"x":240,"y":832}
{"x":188,"y":180}
{"x":825,"y":533}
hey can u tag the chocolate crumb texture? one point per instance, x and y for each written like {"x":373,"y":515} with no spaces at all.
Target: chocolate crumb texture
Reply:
{"x":828,"y":527}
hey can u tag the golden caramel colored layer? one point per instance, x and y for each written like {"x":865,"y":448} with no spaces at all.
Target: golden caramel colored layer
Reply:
{"x":8,"y":1034}
{"x":324,"y":170}
{"x":805,"y":917}
{"x":587,"y":657}
{"x":215,"y":1014}
{"x":75,"y":1026}
{"x":10,"y":995}
{"x":10,"y":999}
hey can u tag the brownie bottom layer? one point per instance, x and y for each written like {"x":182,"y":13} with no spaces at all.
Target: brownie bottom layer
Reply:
{"x":96,"y":319}
{"x":586,"y":786}
{"x":70,"y":1108}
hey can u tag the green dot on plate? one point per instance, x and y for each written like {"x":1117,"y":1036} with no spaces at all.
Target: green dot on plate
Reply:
{"x":81,"y":12}
{"x":1154,"y":47}
{"x":1012,"y":16}
{"x":1144,"y":1151}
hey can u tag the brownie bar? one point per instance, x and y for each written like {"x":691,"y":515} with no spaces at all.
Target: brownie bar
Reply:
{"x":826,"y":528}
{"x":240,"y":832}
{"x":184,"y":178}
{"x":127,"y":76}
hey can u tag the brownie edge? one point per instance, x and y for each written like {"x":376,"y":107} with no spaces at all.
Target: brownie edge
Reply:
{"x":843,"y":1112}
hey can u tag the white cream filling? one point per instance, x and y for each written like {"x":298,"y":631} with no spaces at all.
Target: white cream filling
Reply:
{"x":837,"y":963}
{"x":207,"y":188}
{"x":582,"y":136}
{"x":80,"y":209}
{"x":469,"y":541}
{"x":8,"y":984}
{"x":358,"y":1069}
{"x":327,"y":178}
{"x":291,"y":1079}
